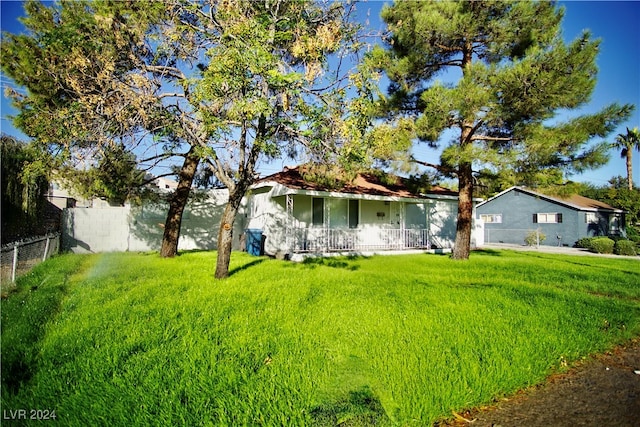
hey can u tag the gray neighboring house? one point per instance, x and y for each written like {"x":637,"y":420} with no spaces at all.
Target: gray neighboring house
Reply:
{"x":509,"y":216}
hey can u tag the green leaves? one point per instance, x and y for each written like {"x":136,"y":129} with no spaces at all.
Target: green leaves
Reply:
{"x":516,"y":74}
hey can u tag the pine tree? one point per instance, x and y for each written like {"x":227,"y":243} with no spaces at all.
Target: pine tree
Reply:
{"x":514,"y":72}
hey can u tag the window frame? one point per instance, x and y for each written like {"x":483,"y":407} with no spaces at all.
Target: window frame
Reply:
{"x":495,"y":218}
{"x":556,"y":216}
{"x":315,"y":212}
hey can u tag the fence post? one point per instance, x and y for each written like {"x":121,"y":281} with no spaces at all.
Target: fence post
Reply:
{"x":15,"y":263}
{"x":46,"y":249}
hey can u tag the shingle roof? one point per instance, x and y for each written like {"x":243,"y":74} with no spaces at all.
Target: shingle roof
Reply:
{"x":575,"y":201}
{"x":369,"y":184}
{"x":586,"y":202}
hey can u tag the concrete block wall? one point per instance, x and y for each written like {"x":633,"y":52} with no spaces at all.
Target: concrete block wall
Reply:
{"x":140,"y":228}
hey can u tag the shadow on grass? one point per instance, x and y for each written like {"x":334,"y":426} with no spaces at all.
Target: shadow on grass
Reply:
{"x":245,"y":266}
{"x":489,"y":252}
{"x":359,"y":408}
{"x":35,"y":302}
{"x":343,"y":262}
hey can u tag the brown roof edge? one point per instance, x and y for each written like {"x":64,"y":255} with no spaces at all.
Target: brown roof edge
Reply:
{"x":364,"y":184}
{"x":575,"y":200}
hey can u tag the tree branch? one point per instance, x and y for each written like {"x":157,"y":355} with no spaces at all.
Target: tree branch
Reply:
{"x":165,"y":70}
{"x":490,"y":138}
{"x":439,"y":168}
{"x":149,"y":181}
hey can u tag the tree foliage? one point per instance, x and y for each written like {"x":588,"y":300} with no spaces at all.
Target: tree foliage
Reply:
{"x":626,"y":143}
{"x":618,"y":195}
{"x":23,"y":189}
{"x":223,"y":84}
{"x":514,"y":74}
{"x":114,"y":177}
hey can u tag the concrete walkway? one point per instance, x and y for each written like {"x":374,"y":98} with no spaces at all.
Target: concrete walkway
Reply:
{"x":552,"y":250}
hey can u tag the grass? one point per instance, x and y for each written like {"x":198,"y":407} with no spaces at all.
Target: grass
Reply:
{"x":132,"y":339}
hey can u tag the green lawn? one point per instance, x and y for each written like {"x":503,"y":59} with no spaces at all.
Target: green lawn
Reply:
{"x":132,"y":339}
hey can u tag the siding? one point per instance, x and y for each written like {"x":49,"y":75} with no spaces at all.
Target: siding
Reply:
{"x":517,"y":209}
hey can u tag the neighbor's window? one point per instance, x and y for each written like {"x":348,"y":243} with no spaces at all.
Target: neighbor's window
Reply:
{"x":547,"y":218}
{"x":318,"y":211}
{"x":491,"y":218}
{"x":614,"y":227}
{"x":590,"y":218}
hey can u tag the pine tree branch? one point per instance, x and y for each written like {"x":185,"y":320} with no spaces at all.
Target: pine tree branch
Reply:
{"x":439,"y":168}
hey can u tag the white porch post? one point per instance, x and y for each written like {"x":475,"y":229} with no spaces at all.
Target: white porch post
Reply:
{"x":290,"y":223}
{"x":428,"y":214}
{"x":327,"y":224}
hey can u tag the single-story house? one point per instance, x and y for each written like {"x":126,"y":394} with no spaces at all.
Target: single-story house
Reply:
{"x":510,"y":215}
{"x":295,"y":216}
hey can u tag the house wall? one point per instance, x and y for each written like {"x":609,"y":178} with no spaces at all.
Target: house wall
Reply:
{"x":442,"y":223}
{"x":517,"y":209}
{"x":268,"y":214}
{"x":415,"y":215}
{"x":376,"y":213}
{"x":140,"y":228}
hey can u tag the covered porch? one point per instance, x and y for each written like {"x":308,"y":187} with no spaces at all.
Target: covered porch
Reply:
{"x":310,"y":240}
{"x":321,"y":223}
{"x":364,"y":216}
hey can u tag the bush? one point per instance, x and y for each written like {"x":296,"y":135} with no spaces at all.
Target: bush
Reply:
{"x":534,"y":237}
{"x":624,"y":247}
{"x":585,"y":242}
{"x":602,"y":245}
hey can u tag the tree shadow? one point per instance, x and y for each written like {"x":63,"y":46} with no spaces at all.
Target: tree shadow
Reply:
{"x":358,"y":408}
{"x":341,"y":262}
{"x":489,"y":252}
{"x":245,"y":266}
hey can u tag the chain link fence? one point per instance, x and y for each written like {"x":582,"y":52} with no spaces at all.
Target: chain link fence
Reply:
{"x":20,"y":257}
{"x":522,"y":236}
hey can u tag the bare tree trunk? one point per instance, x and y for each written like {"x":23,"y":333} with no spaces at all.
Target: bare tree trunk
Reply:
{"x":225,"y":234}
{"x":462,"y":245}
{"x":176,"y":206}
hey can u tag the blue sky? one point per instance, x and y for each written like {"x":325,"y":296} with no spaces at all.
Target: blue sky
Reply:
{"x":616,"y":23}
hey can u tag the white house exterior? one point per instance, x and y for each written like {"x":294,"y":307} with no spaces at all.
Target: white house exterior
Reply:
{"x":288,"y":216}
{"x":294,"y":216}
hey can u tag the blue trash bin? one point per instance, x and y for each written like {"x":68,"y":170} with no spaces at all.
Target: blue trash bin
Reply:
{"x":254,"y":241}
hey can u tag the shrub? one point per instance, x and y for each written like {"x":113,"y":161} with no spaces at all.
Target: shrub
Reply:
{"x":602,"y":245}
{"x":534,"y":237}
{"x":624,"y":247}
{"x":584,"y":242}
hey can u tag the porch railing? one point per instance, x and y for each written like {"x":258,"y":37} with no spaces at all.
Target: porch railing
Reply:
{"x":346,"y":240}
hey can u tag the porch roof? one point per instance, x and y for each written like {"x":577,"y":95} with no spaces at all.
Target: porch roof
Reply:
{"x":291,"y":181}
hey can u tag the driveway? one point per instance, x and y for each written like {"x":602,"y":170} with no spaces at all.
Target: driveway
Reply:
{"x":551,"y":250}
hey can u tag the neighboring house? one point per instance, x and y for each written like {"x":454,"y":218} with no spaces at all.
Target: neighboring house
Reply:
{"x":166,"y":184}
{"x":509,"y":216}
{"x":296,"y":216}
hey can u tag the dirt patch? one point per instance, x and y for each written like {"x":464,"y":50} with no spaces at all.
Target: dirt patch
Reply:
{"x":603,"y":390}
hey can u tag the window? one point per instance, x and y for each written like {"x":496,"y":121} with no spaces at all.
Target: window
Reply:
{"x":614,"y":226}
{"x":338,"y":212}
{"x":590,"y":218}
{"x":354,"y":213}
{"x":491,"y":218}
{"x":318,"y":211}
{"x":547,"y":218}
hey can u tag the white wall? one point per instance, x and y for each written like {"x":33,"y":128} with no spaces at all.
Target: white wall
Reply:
{"x":140,"y":228}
